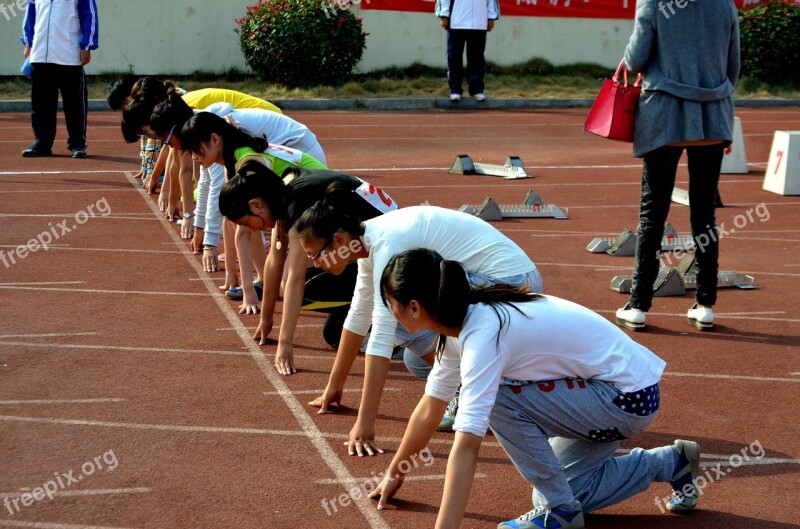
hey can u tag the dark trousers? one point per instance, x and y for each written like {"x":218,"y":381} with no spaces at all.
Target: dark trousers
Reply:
{"x":330,"y":294}
{"x":658,"y":179}
{"x":475,"y":42}
{"x":46,"y":82}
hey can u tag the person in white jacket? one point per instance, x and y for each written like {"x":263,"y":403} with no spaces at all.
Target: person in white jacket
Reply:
{"x":59,"y":38}
{"x":466,"y":23}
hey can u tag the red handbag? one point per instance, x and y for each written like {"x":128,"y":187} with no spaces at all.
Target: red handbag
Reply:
{"x":614,"y":109}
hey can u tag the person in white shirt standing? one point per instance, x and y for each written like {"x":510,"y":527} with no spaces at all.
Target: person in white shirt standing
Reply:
{"x":467,"y":22}
{"x":59,"y":36}
{"x":559,"y":385}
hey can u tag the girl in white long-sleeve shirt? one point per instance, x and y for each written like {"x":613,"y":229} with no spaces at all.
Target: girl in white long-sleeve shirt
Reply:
{"x":333,"y":239}
{"x":559,"y":385}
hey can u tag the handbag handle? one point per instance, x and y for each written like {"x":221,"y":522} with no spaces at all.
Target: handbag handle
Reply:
{"x":624,"y":69}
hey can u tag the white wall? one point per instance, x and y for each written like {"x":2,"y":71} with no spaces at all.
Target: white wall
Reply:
{"x":182,"y":36}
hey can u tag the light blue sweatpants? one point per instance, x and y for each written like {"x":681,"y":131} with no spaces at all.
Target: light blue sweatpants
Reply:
{"x":561,"y":436}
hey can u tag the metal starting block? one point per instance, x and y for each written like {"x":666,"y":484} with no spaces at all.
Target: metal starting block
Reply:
{"x":531,"y":207}
{"x":676,"y":281}
{"x":625,"y":243}
{"x":511,"y":170}
{"x":681,"y":196}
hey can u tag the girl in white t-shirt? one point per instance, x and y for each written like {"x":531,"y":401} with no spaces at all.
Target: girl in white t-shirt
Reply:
{"x":333,"y":238}
{"x":559,"y":385}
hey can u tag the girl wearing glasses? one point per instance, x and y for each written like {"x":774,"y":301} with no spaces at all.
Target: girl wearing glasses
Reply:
{"x":560,"y":386}
{"x":258,"y":198}
{"x":335,"y":239}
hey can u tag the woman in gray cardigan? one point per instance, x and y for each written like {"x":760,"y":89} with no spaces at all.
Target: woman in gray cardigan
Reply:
{"x":688,"y":51}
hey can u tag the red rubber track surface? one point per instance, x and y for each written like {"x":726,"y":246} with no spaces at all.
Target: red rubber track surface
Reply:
{"x":113,"y":341}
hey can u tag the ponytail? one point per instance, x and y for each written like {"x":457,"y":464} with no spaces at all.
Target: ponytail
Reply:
{"x":338,"y":211}
{"x":198,"y":128}
{"x":442,"y":288}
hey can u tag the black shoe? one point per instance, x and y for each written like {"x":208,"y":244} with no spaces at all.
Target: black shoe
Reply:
{"x":79,"y":153}
{"x":33,"y":152}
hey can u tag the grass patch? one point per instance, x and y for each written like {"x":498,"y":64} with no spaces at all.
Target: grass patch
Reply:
{"x":535,"y":78}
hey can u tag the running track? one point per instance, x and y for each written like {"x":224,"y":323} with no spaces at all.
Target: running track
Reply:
{"x":114,"y":343}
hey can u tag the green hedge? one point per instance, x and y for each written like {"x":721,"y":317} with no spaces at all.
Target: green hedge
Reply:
{"x":770,"y":41}
{"x":302,"y":42}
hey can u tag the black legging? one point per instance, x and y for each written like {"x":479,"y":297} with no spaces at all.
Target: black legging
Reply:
{"x":330,"y":294}
{"x":658,"y":180}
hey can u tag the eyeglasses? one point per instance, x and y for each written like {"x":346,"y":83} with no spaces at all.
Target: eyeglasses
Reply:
{"x":169,"y":136}
{"x":317,"y":255}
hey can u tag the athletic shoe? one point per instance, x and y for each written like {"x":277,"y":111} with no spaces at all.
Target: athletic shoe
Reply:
{"x":540,"y":518}
{"x":446,"y":425}
{"x":235,"y":294}
{"x":702,"y":318}
{"x":684,"y":478}
{"x":480,"y":97}
{"x":455,"y":98}
{"x":79,"y":153}
{"x":259,"y":286}
{"x":630,"y":318}
{"x":33,"y":152}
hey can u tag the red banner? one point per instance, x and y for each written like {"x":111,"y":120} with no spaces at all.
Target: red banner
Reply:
{"x":624,"y":9}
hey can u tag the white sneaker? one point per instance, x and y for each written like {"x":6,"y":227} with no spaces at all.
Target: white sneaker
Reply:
{"x":701,"y":317}
{"x":631,"y":318}
{"x":480,"y":96}
{"x":455,"y":97}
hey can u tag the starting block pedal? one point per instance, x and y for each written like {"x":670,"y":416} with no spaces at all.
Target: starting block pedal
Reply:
{"x":531,"y":207}
{"x":676,"y":281}
{"x":625,"y":243}
{"x":681,"y":196}
{"x":511,"y":170}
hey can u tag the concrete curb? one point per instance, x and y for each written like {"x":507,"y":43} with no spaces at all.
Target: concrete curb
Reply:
{"x":420,"y":103}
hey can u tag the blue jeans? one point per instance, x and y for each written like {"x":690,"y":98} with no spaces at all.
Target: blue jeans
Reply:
{"x":424,"y":342}
{"x":475,"y":42}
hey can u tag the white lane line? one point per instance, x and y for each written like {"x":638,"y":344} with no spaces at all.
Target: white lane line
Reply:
{"x":277,"y":324}
{"x":58,"y":347}
{"x":724,"y":316}
{"x":412,"y":477}
{"x":796,"y":373}
{"x":110,"y":250}
{"x":288,"y":433}
{"x":70,"y":172}
{"x":158,"y":427}
{"x":46,"y":335}
{"x":315,"y":391}
{"x":51,"y":191}
{"x":101,"y":291}
{"x":52,"y":525}
{"x":15,"y":283}
{"x":59,"y":401}
{"x":58,"y":216}
{"x":730,"y":377}
{"x":310,"y":428}
{"x":85,"y":492}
